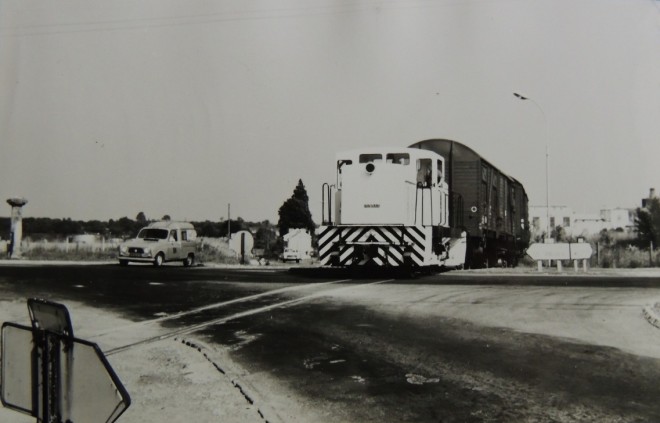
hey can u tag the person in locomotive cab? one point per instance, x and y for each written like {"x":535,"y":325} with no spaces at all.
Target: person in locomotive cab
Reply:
{"x":424,"y":175}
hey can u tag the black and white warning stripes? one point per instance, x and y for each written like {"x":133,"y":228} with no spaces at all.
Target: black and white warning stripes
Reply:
{"x":375,"y":245}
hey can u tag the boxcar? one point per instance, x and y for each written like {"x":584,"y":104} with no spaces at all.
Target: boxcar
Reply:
{"x":489,"y":205}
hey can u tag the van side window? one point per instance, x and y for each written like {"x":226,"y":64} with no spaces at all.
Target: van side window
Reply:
{"x":173,"y":236}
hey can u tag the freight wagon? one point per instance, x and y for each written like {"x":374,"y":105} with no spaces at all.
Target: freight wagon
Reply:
{"x":489,"y":205}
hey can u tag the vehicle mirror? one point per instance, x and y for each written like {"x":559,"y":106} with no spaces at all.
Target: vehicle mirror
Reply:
{"x":16,"y":368}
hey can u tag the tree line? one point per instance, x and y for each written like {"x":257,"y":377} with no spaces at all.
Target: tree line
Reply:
{"x":294,"y":213}
{"x":125,"y":227}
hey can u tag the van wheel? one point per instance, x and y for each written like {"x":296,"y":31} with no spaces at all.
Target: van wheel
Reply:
{"x":158,"y":261}
{"x":189,"y":261}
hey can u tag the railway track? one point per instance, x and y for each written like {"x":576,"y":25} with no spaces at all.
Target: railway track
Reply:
{"x":277,"y":302}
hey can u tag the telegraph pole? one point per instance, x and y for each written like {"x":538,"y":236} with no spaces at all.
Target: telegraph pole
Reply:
{"x":547,"y":155}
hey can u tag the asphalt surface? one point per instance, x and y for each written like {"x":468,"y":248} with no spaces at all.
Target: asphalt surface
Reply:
{"x":353,"y":362}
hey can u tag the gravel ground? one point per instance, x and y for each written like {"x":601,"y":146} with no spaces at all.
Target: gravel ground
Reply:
{"x":168,"y":380}
{"x":186,"y":379}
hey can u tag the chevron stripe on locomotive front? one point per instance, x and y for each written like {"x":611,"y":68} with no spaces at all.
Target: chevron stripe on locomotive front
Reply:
{"x":374,"y":245}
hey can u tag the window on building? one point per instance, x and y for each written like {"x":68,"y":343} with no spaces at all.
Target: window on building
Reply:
{"x":567,"y":222}
{"x":552,"y":222}
{"x":536,"y":223}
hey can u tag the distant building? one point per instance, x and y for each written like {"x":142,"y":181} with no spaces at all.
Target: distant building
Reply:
{"x":619,"y":218}
{"x":579,"y":224}
{"x":557,"y":215}
{"x":645,"y":201}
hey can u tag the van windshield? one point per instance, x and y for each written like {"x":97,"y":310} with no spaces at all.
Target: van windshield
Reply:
{"x":152,"y":233}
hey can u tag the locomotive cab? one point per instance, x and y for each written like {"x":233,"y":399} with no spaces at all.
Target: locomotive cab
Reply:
{"x":395,"y":186}
{"x":391,"y":209}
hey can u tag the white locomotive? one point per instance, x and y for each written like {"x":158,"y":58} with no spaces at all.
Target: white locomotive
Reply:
{"x":391,"y":208}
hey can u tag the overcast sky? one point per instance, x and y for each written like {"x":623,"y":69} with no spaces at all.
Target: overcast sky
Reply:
{"x":109,"y":108}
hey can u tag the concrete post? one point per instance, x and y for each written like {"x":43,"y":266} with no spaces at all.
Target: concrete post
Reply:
{"x":16,"y":231}
{"x":559,"y":267}
{"x":651,"y":254}
{"x":540,"y":265}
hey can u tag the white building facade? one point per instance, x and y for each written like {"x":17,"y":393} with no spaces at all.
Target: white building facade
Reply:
{"x":574,"y":224}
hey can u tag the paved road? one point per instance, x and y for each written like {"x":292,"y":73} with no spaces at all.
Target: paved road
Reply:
{"x":450,"y":347}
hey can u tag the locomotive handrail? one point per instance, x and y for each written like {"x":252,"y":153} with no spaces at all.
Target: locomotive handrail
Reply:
{"x":326,"y":189}
{"x":422,"y":187}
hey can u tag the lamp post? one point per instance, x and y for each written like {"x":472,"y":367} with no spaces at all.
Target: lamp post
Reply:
{"x":547,"y":153}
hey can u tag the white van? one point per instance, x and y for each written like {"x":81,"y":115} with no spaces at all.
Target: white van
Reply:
{"x":161,"y":242}
{"x":290,"y":254}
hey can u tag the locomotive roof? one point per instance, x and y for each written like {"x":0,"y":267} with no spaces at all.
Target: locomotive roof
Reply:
{"x":414,"y":152}
{"x":454,"y":150}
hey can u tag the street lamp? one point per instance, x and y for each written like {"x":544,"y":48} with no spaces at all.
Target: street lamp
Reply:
{"x":547,"y":153}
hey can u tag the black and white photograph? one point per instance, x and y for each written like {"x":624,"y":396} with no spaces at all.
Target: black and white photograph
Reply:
{"x":305,"y":211}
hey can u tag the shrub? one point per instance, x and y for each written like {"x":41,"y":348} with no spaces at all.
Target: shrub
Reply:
{"x":211,"y":254}
{"x":41,"y":253}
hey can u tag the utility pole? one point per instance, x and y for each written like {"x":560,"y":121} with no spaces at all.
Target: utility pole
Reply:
{"x":228,"y":220}
{"x":651,"y":254}
{"x":548,"y":229}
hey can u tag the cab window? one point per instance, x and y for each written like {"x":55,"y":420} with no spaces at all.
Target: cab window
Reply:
{"x":398,"y":158}
{"x":424,"y":172}
{"x":366,"y":158}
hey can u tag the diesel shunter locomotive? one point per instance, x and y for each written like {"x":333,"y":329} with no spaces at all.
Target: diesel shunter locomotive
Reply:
{"x":436,"y":203}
